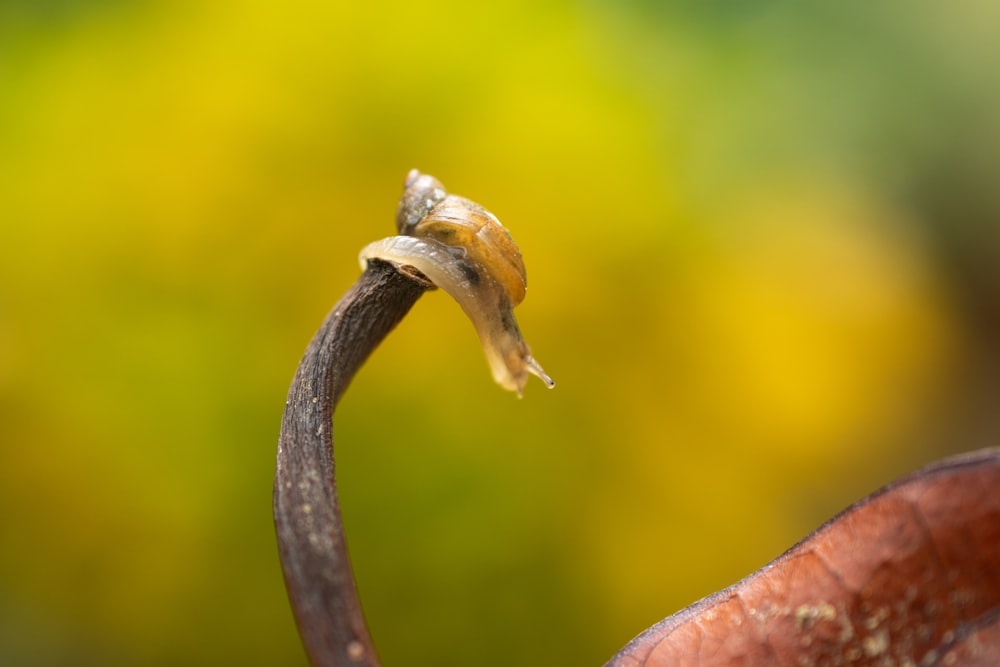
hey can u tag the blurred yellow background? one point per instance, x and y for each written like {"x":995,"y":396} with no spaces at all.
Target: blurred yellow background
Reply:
{"x":762,"y":245}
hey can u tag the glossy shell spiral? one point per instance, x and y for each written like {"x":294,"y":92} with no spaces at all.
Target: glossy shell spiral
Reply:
{"x":463,"y":249}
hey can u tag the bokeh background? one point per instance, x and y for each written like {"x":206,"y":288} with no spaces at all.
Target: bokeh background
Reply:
{"x":763,"y":247}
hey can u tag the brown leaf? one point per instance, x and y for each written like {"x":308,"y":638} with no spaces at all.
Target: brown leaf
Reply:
{"x":908,"y":576}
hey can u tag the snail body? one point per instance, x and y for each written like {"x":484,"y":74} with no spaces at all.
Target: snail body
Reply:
{"x":463,"y":249}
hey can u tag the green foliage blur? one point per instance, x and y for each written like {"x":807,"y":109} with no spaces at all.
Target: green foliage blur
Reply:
{"x":764,"y":269}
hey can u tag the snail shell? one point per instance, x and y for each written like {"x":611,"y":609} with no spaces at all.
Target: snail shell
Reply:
{"x":421,"y":193}
{"x":463,"y":249}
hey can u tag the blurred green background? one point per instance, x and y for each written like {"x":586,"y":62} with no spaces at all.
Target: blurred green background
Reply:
{"x":763,"y":247}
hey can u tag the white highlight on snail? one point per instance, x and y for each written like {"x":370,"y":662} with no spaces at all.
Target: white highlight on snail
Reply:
{"x":463,"y":249}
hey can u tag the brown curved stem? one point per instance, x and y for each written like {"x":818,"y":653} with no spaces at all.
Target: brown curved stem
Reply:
{"x":306,"y":510}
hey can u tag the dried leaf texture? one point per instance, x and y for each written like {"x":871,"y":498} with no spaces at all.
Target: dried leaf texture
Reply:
{"x":908,"y":576}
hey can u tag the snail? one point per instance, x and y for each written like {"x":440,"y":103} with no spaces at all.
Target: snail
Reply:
{"x":463,"y":249}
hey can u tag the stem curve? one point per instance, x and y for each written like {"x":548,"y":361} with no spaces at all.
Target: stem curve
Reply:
{"x":311,"y":542}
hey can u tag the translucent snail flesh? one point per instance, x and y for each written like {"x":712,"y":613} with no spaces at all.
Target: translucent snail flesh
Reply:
{"x":463,"y":249}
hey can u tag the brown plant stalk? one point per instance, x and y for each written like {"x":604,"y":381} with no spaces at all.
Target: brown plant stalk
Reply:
{"x":310,"y":535}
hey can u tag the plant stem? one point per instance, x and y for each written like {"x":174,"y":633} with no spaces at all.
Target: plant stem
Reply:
{"x":307,"y":519}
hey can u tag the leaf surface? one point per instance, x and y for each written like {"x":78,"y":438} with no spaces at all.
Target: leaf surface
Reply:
{"x":909,"y":575}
